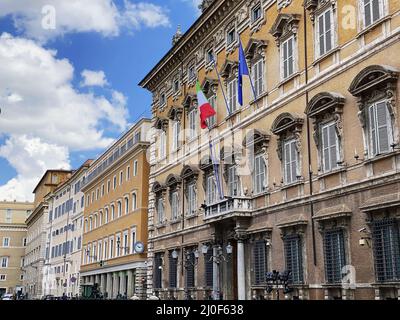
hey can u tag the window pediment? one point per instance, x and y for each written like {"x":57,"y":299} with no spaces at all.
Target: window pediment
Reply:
{"x":173,"y":180}
{"x":189,"y":172}
{"x":285,"y":24}
{"x":229,"y":69}
{"x":324,"y":102}
{"x":209,"y":86}
{"x":190,"y":101}
{"x":255,"y":48}
{"x":229,"y":154}
{"x":206,"y":163}
{"x":286,"y":122}
{"x":256,"y":137}
{"x":158,"y":187}
{"x":161,"y":124}
{"x":373,"y":77}
{"x":175,"y":113}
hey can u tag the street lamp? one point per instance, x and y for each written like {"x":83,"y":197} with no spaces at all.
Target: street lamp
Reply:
{"x":121,"y":248}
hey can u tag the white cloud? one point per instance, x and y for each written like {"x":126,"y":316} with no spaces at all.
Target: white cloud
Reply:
{"x":31,"y":157}
{"x":72,"y":16}
{"x":38,"y":98}
{"x":195,"y":4}
{"x":146,"y":14}
{"x":93,"y":78}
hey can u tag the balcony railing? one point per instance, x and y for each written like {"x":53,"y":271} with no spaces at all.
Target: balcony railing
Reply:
{"x":228,"y":207}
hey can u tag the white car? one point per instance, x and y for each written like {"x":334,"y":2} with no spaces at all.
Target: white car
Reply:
{"x":7,"y":296}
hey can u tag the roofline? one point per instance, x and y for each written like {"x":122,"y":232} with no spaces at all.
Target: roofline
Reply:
{"x":50,"y":171}
{"x":203,"y":17}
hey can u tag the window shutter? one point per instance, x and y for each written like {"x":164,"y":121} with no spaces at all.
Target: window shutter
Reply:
{"x":209,"y":269}
{"x":328,"y":31}
{"x":373,"y":130}
{"x":291,"y":55}
{"x":325,"y":148}
{"x":333,"y":146}
{"x":321,"y":35}
{"x":382,"y":127}
{"x":367,"y":12}
{"x":260,"y":262}
{"x":294,"y":164}
{"x":285,"y":59}
{"x":376,"y":10}
{"x":173,"y":268}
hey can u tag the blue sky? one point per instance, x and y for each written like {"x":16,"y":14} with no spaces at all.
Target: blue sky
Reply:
{"x":124,"y":48}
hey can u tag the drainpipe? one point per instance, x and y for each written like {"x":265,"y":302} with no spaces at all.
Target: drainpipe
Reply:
{"x":310,"y":173}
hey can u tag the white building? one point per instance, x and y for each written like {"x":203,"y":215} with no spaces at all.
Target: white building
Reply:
{"x":64,"y":236}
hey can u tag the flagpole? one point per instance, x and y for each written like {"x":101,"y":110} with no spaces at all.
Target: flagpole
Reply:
{"x":222,"y":88}
{"x":250,"y":75}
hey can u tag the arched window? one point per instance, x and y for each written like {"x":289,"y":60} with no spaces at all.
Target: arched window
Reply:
{"x":112,"y":212}
{"x":90,"y":223}
{"x":119,"y":209}
{"x":106,"y":217}
{"x":134,"y":201}
{"x":126,"y":205}
{"x":95,"y":221}
{"x":100,"y":218}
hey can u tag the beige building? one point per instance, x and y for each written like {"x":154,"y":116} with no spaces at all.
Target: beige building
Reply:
{"x":115,"y":226}
{"x":36,"y":222}
{"x":64,"y":236}
{"x":12,"y":245}
{"x":309,"y":165}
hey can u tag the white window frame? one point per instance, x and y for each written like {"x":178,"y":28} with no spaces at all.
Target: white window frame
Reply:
{"x":229,"y":41}
{"x":118,"y":247}
{"x":4,"y":262}
{"x":176,"y":129}
{"x":160,"y":210}
{"x":135,"y":168}
{"x":318,"y":35}
{"x":211,"y":191}
{"x":8,"y":215}
{"x":125,"y":243}
{"x":8,"y":240}
{"x":192,"y":198}
{"x":111,"y":247}
{"x":292,"y":144}
{"x":328,"y":148}
{"x":233,"y":181}
{"x":293,"y":56}
{"x":105,"y":247}
{"x":382,"y":12}
{"x":373,"y":135}
{"x":119,"y":208}
{"x":174,"y":205}
{"x":258,"y":77}
{"x":128,"y":173}
{"x":193,"y":124}
{"x":163,"y":145}
{"x":213,"y":102}
{"x":3,"y":277}
{"x":134,"y":201}
{"x":233,"y":95}
{"x":133,"y":239}
{"x":259,"y":177}
{"x":253,"y":9}
{"x":126,"y":204}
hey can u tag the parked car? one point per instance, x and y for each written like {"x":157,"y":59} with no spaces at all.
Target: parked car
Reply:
{"x":8,"y":296}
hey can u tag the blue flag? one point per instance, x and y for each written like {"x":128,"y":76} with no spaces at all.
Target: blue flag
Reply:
{"x":243,"y":71}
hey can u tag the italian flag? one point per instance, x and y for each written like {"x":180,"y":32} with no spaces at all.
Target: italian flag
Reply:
{"x":206,"y":110}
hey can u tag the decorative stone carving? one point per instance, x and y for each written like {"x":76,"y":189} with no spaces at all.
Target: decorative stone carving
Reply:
{"x":316,"y":6}
{"x":203,"y":6}
{"x":283,"y":4}
{"x":285,"y":24}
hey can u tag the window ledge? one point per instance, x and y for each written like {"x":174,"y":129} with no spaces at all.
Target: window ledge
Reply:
{"x":259,"y":98}
{"x":373,"y":26}
{"x":262,"y":193}
{"x":175,"y":221}
{"x":332,"y":172}
{"x":300,"y":181}
{"x":193,"y":215}
{"x":234,"y":113}
{"x":391,"y":284}
{"x":381,"y":157}
{"x":160,"y":225}
{"x":289,"y":78}
{"x":325,"y":55}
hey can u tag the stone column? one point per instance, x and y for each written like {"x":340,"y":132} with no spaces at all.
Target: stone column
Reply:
{"x":97,"y":279}
{"x":122,"y":283}
{"x":92,"y":279}
{"x":129,"y":290}
{"x":241,"y":280}
{"x":103,"y":283}
{"x":215,"y":293}
{"x":115,"y":285}
{"x":109,"y":285}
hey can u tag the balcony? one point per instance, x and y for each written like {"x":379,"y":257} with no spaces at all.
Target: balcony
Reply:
{"x":229,"y":207}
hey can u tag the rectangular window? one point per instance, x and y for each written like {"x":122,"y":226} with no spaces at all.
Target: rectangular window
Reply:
{"x":3,"y":277}
{"x":325,"y":32}
{"x":176,"y":128}
{"x":233,"y":182}
{"x":334,"y":254}
{"x":232,"y":95}
{"x":192,"y":199}
{"x":105,"y":243}
{"x":191,"y":73}
{"x":209,"y":267}
{"x":211,"y":190}
{"x":373,"y":11}
{"x":260,"y":262}
{"x":163,"y":99}
{"x":294,"y":258}
{"x":176,"y":85}
{"x":189,"y":275}
{"x":4,"y":262}
{"x":111,"y":248}
{"x":386,"y":246}
{"x":133,"y":240}
{"x":125,"y":243}
{"x":330,"y":147}
{"x":193,"y":124}
{"x":163,"y":145}
{"x":230,"y":36}
{"x":158,"y":271}
{"x":102,"y":190}
{"x":8,"y":216}
{"x":256,"y":13}
{"x":108,"y":186}
{"x":380,"y":129}
{"x":174,"y":205}
{"x":173,"y":271}
{"x":290,"y":161}
{"x":210,"y":56}
{"x":259,"y":174}
{"x":257,"y":73}
{"x":115,"y":182}
{"x":128,"y":173}
{"x":121,"y":177}
{"x":212,"y":121}
{"x":6,"y":242}
{"x":287,"y":57}
{"x":160,"y":210}
{"x":135,"y":168}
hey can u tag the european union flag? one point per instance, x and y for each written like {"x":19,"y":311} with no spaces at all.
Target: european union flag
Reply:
{"x":243,"y":71}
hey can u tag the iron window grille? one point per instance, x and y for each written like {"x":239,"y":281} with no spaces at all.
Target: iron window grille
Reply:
{"x":386,"y":248}
{"x":335,"y":255}
{"x":294,"y":258}
{"x":209,"y":268}
{"x":190,"y":264}
{"x":260,"y":262}
{"x":158,"y":271}
{"x":173,"y":271}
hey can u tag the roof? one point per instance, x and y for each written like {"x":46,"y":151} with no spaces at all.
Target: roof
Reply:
{"x":50,"y":171}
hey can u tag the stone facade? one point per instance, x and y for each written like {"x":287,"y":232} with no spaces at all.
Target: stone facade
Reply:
{"x":308,"y":165}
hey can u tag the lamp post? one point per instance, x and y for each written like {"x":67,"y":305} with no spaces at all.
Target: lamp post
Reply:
{"x":121,"y":248}
{"x":217,"y":257}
